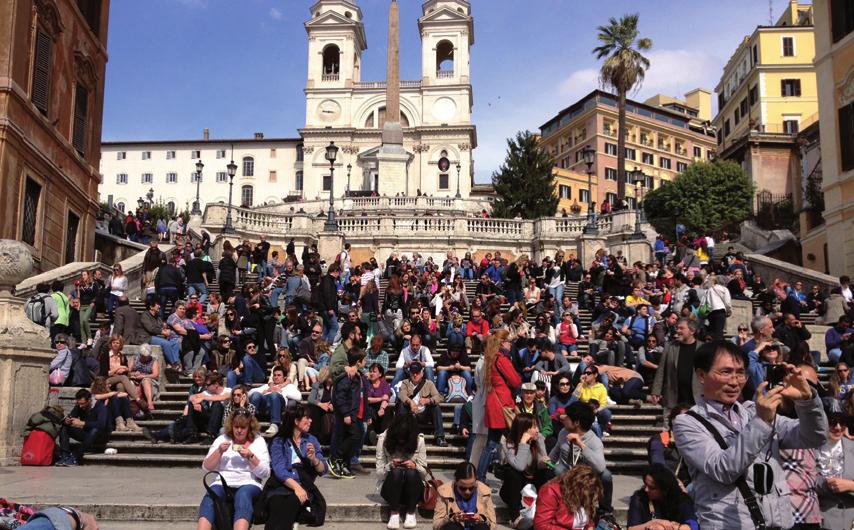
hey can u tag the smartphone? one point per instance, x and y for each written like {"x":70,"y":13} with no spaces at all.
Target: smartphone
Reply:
{"x":775,"y":374}
{"x":236,"y":448}
{"x":549,"y":464}
{"x":468,"y":516}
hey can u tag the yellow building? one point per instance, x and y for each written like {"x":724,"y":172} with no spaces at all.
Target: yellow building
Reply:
{"x":767,"y":94}
{"x":832,"y":244}
{"x":663,"y":136}
{"x":571,"y":188}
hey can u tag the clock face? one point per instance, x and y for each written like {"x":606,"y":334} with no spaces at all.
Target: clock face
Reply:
{"x":328,"y":110}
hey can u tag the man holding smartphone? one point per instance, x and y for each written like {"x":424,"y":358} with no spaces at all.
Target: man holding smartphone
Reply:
{"x":733,"y":449}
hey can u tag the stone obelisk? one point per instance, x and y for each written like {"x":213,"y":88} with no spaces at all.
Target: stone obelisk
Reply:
{"x":392,"y":157}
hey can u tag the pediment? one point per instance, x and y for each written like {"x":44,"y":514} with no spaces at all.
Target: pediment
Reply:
{"x":330,"y":18}
{"x":444,"y":14}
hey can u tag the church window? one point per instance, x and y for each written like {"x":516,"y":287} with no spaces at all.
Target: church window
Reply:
{"x":331,"y":63}
{"x":443,"y":181}
{"x":298,"y":182}
{"x":246,"y":196}
{"x":444,"y":59}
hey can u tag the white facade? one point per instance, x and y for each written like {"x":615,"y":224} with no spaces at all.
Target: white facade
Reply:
{"x":340,"y":108}
{"x":267,"y":169}
{"x":435,"y":110}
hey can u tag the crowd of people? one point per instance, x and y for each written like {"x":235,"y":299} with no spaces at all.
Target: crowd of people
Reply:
{"x":751,"y":432}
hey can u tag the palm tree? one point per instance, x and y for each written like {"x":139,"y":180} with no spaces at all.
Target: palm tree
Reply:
{"x":623,"y":70}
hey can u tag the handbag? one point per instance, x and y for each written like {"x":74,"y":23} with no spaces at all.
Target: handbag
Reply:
{"x":741,"y":483}
{"x":223,"y":505}
{"x":56,"y":377}
{"x":430,"y":494}
{"x":312,"y":513}
{"x":509,"y":415}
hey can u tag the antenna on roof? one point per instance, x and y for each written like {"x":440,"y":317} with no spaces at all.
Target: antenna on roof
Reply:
{"x":770,"y":12}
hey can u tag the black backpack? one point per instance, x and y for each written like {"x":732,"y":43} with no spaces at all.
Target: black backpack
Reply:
{"x":36,"y":309}
{"x":79,"y":375}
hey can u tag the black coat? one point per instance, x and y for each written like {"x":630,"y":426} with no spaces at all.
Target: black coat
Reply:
{"x":228,"y":270}
{"x":327,"y":294}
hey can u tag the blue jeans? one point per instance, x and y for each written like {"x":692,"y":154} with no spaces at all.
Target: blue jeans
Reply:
{"x":244,"y":502}
{"x":252,"y":373}
{"x":445,"y":374}
{"x":400,"y":374}
{"x":274,"y":296}
{"x":834,"y":354}
{"x":198,"y":288}
{"x":271,"y":404}
{"x":171,"y":348}
{"x":86,"y":437}
{"x":468,"y":274}
{"x":487,"y":456}
{"x":330,"y":327}
{"x":557,"y":292}
{"x":603,"y":418}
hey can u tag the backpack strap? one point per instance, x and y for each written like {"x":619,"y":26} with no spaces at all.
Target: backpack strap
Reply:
{"x":741,"y":483}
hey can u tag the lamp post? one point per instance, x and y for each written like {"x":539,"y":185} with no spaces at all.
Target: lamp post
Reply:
{"x":197,"y":208}
{"x":589,"y":155}
{"x":150,"y":196}
{"x":347,"y":191}
{"x":459,"y":168}
{"x":232,"y":170}
{"x":638,"y":178}
{"x":331,"y":154}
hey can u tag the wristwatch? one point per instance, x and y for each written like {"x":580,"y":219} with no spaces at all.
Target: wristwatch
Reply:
{"x":74,"y":515}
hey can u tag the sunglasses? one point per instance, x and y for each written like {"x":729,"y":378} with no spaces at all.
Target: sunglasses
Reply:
{"x":466,"y":488}
{"x":243,"y":412}
{"x":282,"y":356}
{"x":250,"y":347}
{"x":563,"y":383}
{"x":60,"y":342}
{"x":315,"y":333}
{"x":589,"y":373}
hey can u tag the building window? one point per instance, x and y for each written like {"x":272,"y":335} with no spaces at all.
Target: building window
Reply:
{"x":698,"y":152}
{"x":171,"y":178}
{"x":726,"y":128}
{"x":610,"y":173}
{"x":647,"y":158}
{"x":122,"y":178}
{"x":121,"y":155}
{"x":298,"y":180}
{"x":846,"y":135}
{"x":444,"y":183}
{"x":611,"y":149}
{"x":170,"y":207}
{"x":737,"y":116}
{"x":753,"y":95}
{"x":81,"y":112}
{"x":246,"y":193}
{"x":681,"y":166}
{"x":300,"y":153}
{"x":721,"y":100}
{"x":755,"y":54}
{"x":71,"y":237}
{"x":273,"y":176}
{"x":842,"y":19}
{"x":147,"y":178}
{"x":248,"y":166}
{"x":790,"y":126}
{"x":631,"y":154}
{"x":745,"y":109}
{"x":578,"y":155}
{"x":41,"y":72}
{"x":565,"y":191}
{"x":120,"y":206}
{"x":196,"y":177}
{"x":220,"y":153}
{"x":272,"y":152}
{"x":583,"y":195}
{"x":195,"y":155}
{"x":29,"y":215}
{"x":221,"y":176}
{"x":788,"y":45}
{"x":146,"y":155}
{"x":170,"y":155}
{"x":611,"y":197}
{"x":790,"y":87}
{"x":631,"y":202}
{"x":327,"y":182}
{"x":664,"y":162}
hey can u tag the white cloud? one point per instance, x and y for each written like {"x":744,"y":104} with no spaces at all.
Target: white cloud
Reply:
{"x":276,"y":14}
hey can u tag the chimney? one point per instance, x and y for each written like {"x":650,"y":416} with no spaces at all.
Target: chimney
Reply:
{"x":206,"y":134}
{"x":259,"y":136}
{"x":700,"y":100}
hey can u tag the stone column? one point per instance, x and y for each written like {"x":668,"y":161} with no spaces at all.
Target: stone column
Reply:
{"x":25,"y":354}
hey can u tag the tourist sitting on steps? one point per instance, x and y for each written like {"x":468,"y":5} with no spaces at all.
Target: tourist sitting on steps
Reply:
{"x":117,"y":403}
{"x":241,"y":458}
{"x":88,"y":422}
{"x":524,"y":452}
{"x":661,"y":503}
{"x":420,"y":397}
{"x":207,"y":408}
{"x":465,"y":503}
{"x":401,"y":461}
{"x":271,"y":398}
{"x":569,"y":501}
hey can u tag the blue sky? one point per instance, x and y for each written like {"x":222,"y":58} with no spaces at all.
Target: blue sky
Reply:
{"x":239,"y":66}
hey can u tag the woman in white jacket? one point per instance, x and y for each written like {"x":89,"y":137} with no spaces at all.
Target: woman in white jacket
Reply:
{"x":718,"y":299}
{"x":401,"y":468}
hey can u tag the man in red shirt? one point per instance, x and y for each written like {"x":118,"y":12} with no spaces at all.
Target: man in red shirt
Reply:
{"x":476,"y":331}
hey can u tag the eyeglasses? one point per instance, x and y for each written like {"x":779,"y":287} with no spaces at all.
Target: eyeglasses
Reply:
{"x":589,"y":373}
{"x":243,"y":412}
{"x":315,"y":332}
{"x":250,"y":347}
{"x":60,"y":342}
{"x":563,"y":383}
{"x":226,"y":341}
{"x":739,"y":375}
{"x":742,"y":329}
{"x":283,"y":356}
{"x":466,"y":488}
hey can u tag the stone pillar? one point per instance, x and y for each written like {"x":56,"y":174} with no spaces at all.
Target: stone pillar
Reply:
{"x":329,"y":244}
{"x":587,"y":247}
{"x":25,"y":354}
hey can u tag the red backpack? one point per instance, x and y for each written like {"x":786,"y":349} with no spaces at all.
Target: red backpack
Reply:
{"x":38,"y":449}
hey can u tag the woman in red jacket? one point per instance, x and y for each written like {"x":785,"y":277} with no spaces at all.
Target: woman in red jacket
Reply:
{"x":569,"y":502}
{"x":500,"y":378}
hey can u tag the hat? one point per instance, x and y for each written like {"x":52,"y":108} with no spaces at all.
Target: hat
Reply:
{"x":145,"y":350}
{"x":529,"y":387}
{"x":415,"y":367}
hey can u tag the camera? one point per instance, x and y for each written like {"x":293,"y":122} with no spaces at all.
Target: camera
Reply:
{"x":775,"y":374}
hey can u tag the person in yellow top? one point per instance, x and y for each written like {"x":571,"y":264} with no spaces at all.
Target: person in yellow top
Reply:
{"x":591,"y":391}
{"x":636,"y":298}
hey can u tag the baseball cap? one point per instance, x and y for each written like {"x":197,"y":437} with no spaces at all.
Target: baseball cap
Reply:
{"x":415,"y":367}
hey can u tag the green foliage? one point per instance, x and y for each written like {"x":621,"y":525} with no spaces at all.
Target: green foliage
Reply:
{"x":525,"y":181}
{"x":159,"y":210}
{"x":705,"y":198}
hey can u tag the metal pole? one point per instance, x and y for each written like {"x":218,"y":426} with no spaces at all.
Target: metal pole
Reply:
{"x":228,"y":228}
{"x":331,"y":225}
{"x":197,"y":207}
{"x":590,"y":227}
{"x":458,"y":195}
{"x":638,"y":234}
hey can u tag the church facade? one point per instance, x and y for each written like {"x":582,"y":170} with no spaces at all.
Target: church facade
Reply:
{"x":435,"y":111}
{"x":438,"y":134}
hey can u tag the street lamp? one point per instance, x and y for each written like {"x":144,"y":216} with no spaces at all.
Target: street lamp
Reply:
{"x":459,"y":168}
{"x":331,"y":155}
{"x":639,"y":180}
{"x":232,"y":170}
{"x":347,"y":191}
{"x":589,"y":156}
{"x":197,"y":209}
{"x":150,"y":196}
{"x":140,"y":203}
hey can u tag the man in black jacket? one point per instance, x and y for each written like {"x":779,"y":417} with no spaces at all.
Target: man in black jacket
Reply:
{"x":351,"y":408}
{"x":126,"y":323}
{"x":153,"y":257}
{"x":169,"y":285}
{"x":792,"y":331}
{"x":88,"y":423}
{"x":199,"y":275}
{"x":327,"y":302}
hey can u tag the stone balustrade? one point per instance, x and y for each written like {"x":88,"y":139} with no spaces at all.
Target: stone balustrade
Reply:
{"x":373,"y":204}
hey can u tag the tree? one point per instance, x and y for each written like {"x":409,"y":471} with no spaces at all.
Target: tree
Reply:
{"x":705,"y":198}
{"x":525,"y":183}
{"x":623,"y":70}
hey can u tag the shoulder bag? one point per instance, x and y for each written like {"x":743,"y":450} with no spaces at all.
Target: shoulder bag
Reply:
{"x":312,"y":513}
{"x":508,"y":412}
{"x":430,"y":494}
{"x":223,"y":505}
{"x":743,"y":488}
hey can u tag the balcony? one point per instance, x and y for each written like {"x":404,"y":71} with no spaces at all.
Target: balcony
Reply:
{"x":444,"y":74}
{"x":609,"y":132}
{"x":664,"y":146}
{"x":329,"y":77}
{"x":681,"y":151}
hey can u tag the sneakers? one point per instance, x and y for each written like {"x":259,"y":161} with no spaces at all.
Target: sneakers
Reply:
{"x":440,"y":441}
{"x":132,"y":426}
{"x":345,"y":471}
{"x":67,"y":460}
{"x":120,"y":425}
{"x":410,"y":522}
{"x":335,"y":469}
{"x":393,"y":522}
{"x":272,"y":430}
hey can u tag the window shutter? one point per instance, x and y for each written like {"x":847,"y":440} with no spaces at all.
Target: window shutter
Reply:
{"x":41,"y":72}
{"x":81,"y":107}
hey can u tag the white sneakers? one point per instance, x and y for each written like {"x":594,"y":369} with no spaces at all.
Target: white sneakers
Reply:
{"x":273,"y":429}
{"x":393,"y":522}
{"x":409,"y":522}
